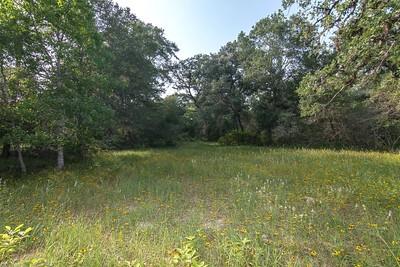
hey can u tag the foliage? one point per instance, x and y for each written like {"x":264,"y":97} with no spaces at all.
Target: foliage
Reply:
{"x":366,"y":55}
{"x":163,"y":124}
{"x":322,"y":69}
{"x":240,"y":138}
{"x":213,"y":85}
{"x":250,"y":84}
{"x":135,"y":66}
{"x":11,"y":241}
{"x":187,"y":254}
{"x":280,"y":56}
{"x":240,"y":252}
{"x":79,"y":74}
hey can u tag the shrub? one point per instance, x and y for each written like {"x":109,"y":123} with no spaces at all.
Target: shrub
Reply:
{"x":187,"y":255}
{"x":265,"y":138}
{"x":11,"y":240}
{"x":240,"y":138}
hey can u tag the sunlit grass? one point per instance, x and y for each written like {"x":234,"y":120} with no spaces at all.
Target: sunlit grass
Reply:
{"x":239,"y":206}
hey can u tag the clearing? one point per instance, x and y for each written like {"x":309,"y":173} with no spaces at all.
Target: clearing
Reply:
{"x":224,"y":206}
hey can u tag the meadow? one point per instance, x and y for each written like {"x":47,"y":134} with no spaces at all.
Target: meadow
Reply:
{"x":201,"y":204}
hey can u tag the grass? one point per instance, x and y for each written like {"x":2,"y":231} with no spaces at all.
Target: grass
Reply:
{"x":207,"y":204}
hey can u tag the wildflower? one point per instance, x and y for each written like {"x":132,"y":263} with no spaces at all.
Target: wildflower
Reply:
{"x":360,"y":248}
{"x":313,"y":253}
{"x":336,"y":252}
{"x":351,"y":227}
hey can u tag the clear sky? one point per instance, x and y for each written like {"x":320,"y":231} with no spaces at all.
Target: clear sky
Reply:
{"x":201,"y":26}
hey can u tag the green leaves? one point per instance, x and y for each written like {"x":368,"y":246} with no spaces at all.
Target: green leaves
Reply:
{"x":187,"y":255}
{"x":11,"y":240}
{"x":365,"y":48}
{"x":74,"y":73}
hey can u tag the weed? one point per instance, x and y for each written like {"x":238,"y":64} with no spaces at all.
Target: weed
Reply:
{"x":246,"y":206}
{"x":11,"y":241}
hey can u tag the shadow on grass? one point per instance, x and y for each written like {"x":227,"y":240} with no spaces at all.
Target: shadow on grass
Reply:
{"x":10,"y":168}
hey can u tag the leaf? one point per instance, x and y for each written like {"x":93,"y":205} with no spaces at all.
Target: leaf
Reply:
{"x":18,"y":227}
{"x":28,"y":230}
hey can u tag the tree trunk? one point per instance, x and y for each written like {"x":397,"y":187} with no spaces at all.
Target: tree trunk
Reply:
{"x":240,"y":122}
{"x":61,"y":123}
{"x":21,"y":159}
{"x":5,"y":101}
{"x":60,"y":157}
{"x":60,"y":146}
{"x":6,"y":150}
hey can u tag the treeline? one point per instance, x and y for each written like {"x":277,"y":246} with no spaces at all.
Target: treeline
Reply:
{"x":81,"y":74}
{"x":76,"y":75}
{"x":325,"y":76}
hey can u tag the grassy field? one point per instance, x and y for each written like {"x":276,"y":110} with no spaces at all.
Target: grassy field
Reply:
{"x":202,"y":204}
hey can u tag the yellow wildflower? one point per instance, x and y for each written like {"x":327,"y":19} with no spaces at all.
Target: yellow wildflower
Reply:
{"x":336,"y":252}
{"x":351,"y":226}
{"x":313,"y":253}
{"x":360,"y":248}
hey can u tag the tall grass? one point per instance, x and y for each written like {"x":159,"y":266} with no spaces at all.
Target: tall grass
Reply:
{"x":212,"y":205}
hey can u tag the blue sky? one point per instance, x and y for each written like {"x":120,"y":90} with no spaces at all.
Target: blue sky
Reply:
{"x":201,"y":26}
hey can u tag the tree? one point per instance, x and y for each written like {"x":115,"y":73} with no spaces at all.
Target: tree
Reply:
{"x":71,"y":68}
{"x":213,"y":84}
{"x":365,"y":40}
{"x":191,"y":78}
{"x":250,"y":84}
{"x":66,"y":38}
{"x":136,"y":64}
{"x":16,"y":81}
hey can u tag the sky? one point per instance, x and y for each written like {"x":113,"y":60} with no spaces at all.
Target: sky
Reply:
{"x":201,"y":26}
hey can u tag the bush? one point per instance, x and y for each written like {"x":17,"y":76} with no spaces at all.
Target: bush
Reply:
{"x":240,"y":138}
{"x":11,"y":240}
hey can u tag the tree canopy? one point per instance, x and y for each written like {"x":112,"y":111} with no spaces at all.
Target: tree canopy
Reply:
{"x":77,"y":75}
